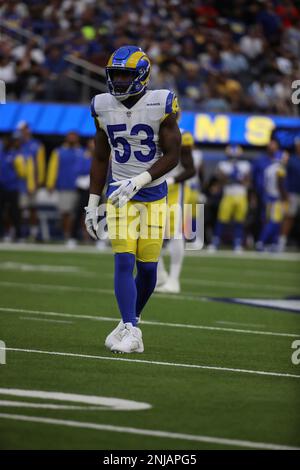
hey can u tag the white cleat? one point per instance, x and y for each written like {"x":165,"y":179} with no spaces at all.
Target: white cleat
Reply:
{"x":196,"y":245}
{"x":162,"y":278}
{"x":131,"y":342}
{"x":100,"y":245}
{"x":172,"y":286}
{"x":71,"y":243}
{"x":115,"y":336}
{"x":238,"y":250}
{"x":211,"y":249}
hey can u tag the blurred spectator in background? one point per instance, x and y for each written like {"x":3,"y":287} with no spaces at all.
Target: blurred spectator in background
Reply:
{"x":190,"y":43}
{"x":29,"y":59}
{"x":12,"y":171}
{"x":293,"y":189}
{"x":8,"y":72}
{"x":252,"y":44}
{"x":262,"y":94}
{"x":189,"y":87}
{"x":82,"y":183}
{"x":270,"y":22}
{"x":58,"y":86}
{"x":34,"y":154}
{"x":234,"y":175}
{"x":63,"y":170}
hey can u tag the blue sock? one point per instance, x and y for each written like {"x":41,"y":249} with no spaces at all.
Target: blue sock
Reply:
{"x":270,"y":232}
{"x":145,"y":283}
{"x":275,"y":233}
{"x":238,"y":234}
{"x":219,"y":228}
{"x":125,"y":288}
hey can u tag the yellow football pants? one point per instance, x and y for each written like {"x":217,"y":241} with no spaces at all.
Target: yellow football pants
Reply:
{"x":176,"y":194}
{"x":233,"y":208}
{"x":137,"y":228}
{"x":275,"y":211}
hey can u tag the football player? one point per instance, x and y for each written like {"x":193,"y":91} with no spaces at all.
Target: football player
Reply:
{"x":275,"y":199}
{"x":63,"y":171}
{"x":176,"y":198}
{"x":35,"y":154}
{"x":13,"y":170}
{"x":137,"y":133}
{"x":293,"y":188}
{"x":234,"y":174}
{"x":195,"y":198}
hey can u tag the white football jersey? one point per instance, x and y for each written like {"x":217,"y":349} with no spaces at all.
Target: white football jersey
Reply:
{"x":272,"y":172}
{"x":235,"y":171}
{"x":133,"y":133}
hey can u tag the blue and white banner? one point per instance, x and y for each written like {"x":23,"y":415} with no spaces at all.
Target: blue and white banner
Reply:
{"x":50,"y":118}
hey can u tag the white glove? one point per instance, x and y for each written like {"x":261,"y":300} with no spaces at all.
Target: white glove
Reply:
{"x":91,"y":217}
{"x":128,"y":188}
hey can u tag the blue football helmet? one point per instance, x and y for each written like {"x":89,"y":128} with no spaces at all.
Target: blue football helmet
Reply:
{"x":127,"y":72}
{"x":234,"y":151}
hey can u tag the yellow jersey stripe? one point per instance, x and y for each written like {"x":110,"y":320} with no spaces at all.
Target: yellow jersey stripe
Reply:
{"x":52,"y":170}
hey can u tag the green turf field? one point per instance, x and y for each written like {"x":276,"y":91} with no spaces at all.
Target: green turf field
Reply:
{"x":214,"y":375}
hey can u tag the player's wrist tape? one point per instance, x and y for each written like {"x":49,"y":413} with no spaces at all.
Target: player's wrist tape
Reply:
{"x":143,"y":179}
{"x":94,"y":200}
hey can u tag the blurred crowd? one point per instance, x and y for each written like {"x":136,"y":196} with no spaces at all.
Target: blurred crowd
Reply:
{"x":40,"y":199}
{"x":219,"y":56}
{"x":253,"y":203}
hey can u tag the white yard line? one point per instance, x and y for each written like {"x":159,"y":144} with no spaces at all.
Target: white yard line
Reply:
{"x":156,"y":363}
{"x":190,"y":296}
{"x":247,"y":272}
{"x":149,"y":322}
{"x":186,"y":281}
{"x":25,"y":404}
{"x":55,"y":248}
{"x":58,"y":287}
{"x":235,"y":284}
{"x":48,"y":268}
{"x":147,"y":432}
{"x":45,"y":319}
{"x":240,"y":324}
{"x":109,"y":403}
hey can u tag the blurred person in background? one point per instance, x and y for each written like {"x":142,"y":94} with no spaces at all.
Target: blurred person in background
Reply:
{"x":262,"y":94}
{"x":258,"y":179}
{"x":176,"y":179}
{"x":12,"y":171}
{"x":275,"y":199}
{"x":270,"y":21}
{"x":58,"y":86}
{"x":30,"y":76}
{"x":293,"y":189}
{"x":8,"y":72}
{"x":193,"y":197}
{"x":35,"y":157}
{"x":212,"y":191}
{"x":234,"y":175}
{"x":252,"y":44}
{"x":84,"y":163}
{"x":62,"y":174}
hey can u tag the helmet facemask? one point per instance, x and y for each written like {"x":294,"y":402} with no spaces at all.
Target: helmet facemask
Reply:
{"x":124,"y":82}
